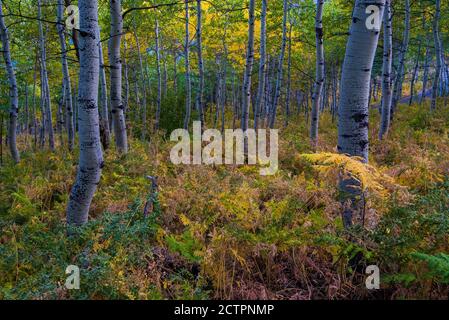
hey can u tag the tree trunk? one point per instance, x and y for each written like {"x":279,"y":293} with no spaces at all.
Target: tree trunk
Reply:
{"x":34,"y":102}
{"x":397,"y":94}
{"x":436,"y":24}
{"x":126,"y":76}
{"x":280,"y":74}
{"x":246,"y":93}
{"x":353,"y":110}
{"x":59,"y":115}
{"x":91,"y":156}
{"x":104,"y":111}
{"x":223,"y":83}
{"x":426,"y":73}
{"x":66,"y":75}
{"x":262,"y":65}
{"x":143,"y":81}
{"x":175,"y":73}
{"x":289,"y":76}
{"x":414,"y":76}
{"x":199,"y":39}
{"x":386,"y":71}
{"x":118,"y":117}
{"x":46,"y":87}
{"x":27,"y":115}
{"x":187,"y":66}
{"x":319,"y":82}
{"x":159,"y":79}
{"x":13,"y":92}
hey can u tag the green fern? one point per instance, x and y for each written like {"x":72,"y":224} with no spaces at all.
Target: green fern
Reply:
{"x":438,"y":265}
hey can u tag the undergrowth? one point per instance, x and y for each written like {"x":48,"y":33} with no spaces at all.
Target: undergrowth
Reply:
{"x":227,"y":232}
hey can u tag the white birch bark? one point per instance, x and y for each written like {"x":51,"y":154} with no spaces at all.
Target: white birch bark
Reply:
{"x":415,"y":75}
{"x":13,"y":92}
{"x":280,"y":73}
{"x":319,"y":81}
{"x":397,"y":94}
{"x":289,"y":76}
{"x":143,"y":82}
{"x":66,"y":75}
{"x":104,"y":110}
{"x":355,"y":84}
{"x":248,"y":70}
{"x":44,"y":80}
{"x":426,"y":73}
{"x":159,"y":78}
{"x":199,"y":38}
{"x":91,"y":156}
{"x":118,"y":117}
{"x":386,"y":71}
{"x":187,"y":66}
{"x":262,"y":64}
{"x":436,"y":35}
{"x":126,"y":76}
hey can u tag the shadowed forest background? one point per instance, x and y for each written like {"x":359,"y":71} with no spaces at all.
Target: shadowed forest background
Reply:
{"x":86,"y":113}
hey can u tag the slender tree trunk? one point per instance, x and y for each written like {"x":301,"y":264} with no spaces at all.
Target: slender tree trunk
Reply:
{"x":246,"y":93}
{"x":126,"y":75}
{"x":426,"y":73}
{"x":175,"y":73}
{"x":234,"y":100}
{"x":13,"y":92}
{"x":187,"y":66}
{"x":48,"y":111}
{"x":289,"y":76}
{"x":436,"y":35}
{"x":34,"y":102}
{"x":354,"y":95}
{"x":27,"y":115}
{"x":397,"y":94}
{"x":319,"y":82}
{"x":262,"y":64}
{"x":223,"y":83}
{"x":118,"y":117}
{"x":104,"y":110}
{"x":66,"y":75}
{"x":165,"y":78}
{"x":414,"y":76}
{"x":280,"y":74}
{"x":143,"y":82}
{"x":91,"y":156}
{"x":59,"y":115}
{"x":334,"y":92}
{"x":42,"y":107}
{"x":159,"y":80}
{"x":199,"y":39}
{"x":386,"y":71}
{"x":218,"y":90}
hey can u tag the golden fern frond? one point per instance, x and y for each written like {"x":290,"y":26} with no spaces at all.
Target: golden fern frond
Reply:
{"x":368,"y":176}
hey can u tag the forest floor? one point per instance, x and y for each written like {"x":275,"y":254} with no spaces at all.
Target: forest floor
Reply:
{"x":227,"y":232}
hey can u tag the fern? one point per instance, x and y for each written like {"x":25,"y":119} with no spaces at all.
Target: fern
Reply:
{"x":438,"y":265}
{"x":369,"y":177}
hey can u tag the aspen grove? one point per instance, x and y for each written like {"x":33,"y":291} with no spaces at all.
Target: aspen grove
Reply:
{"x":224,"y":149}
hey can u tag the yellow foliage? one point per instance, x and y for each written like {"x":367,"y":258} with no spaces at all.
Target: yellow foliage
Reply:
{"x":369,"y":177}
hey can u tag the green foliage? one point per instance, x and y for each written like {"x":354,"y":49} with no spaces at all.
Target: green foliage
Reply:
{"x":186,"y":245}
{"x":438,"y":265}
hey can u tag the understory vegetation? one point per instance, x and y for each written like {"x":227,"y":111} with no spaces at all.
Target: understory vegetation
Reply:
{"x":225,"y":231}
